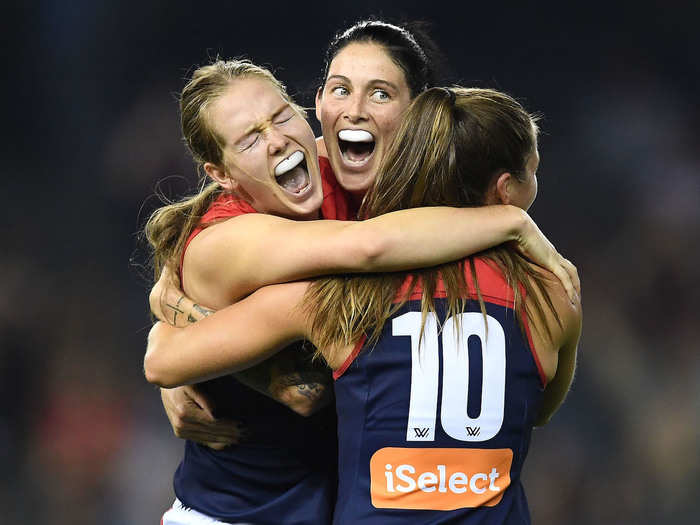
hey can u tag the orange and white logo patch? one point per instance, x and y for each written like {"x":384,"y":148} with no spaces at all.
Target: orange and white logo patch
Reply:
{"x":439,"y":478}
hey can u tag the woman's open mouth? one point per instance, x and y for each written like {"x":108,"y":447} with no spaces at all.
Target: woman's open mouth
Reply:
{"x":292,"y":174}
{"x":356,"y":146}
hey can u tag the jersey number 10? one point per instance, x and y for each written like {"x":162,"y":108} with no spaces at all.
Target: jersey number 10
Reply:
{"x":425,"y":369}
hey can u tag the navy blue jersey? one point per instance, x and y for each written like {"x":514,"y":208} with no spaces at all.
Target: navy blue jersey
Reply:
{"x":438,"y":432}
{"x":285,"y":471}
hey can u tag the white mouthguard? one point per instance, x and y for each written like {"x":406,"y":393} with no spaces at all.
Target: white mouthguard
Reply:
{"x":355,"y":135}
{"x":289,"y":163}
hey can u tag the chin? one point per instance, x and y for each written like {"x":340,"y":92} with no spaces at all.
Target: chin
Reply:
{"x":356,"y":182}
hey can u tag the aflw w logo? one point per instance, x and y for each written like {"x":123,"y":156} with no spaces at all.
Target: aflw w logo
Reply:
{"x":421,"y":432}
{"x":473,"y":431}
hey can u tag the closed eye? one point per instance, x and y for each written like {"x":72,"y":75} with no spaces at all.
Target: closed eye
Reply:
{"x":286,"y":115}
{"x":249,"y":141}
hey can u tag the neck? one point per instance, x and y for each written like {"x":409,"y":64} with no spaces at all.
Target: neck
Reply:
{"x":355,"y":201}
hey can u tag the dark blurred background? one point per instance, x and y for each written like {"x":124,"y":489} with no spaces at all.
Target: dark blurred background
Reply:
{"x":90,"y":125}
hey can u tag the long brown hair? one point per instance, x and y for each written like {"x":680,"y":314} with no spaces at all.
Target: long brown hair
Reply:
{"x":451,"y":145}
{"x":169,"y":227}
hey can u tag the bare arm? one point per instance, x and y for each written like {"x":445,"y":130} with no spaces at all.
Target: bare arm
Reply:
{"x":229,"y":260}
{"x":565,"y":343}
{"x":263,"y":323}
{"x":289,"y":378}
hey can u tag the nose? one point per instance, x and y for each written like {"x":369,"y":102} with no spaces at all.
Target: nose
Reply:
{"x":276,"y":141}
{"x":356,"y":110}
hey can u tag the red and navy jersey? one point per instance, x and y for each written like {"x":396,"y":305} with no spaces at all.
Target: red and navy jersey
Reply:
{"x":435,"y":429}
{"x":285,"y":472}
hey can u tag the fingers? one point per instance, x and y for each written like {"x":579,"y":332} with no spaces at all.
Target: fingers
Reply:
{"x":202,"y":402}
{"x":565,"y":278}
{"x":224,"y":431}
{"x":568,"y":275}
{"x":573,"y":272}
{"x":191,"y":416}
{"x":225,"y":434}
{"x":215,"y":442}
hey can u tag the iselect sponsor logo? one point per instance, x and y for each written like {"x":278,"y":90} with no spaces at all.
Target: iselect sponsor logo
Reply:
{"x":439,"y":478}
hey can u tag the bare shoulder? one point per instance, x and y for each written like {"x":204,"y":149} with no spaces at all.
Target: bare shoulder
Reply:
{"x":216,"y":267}
{"x":231,"y":232}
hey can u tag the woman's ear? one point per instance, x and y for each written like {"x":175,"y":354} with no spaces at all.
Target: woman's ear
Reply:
{"x":219,"y":175}
{"x":319,"y":94}
{"x":504,"y":189}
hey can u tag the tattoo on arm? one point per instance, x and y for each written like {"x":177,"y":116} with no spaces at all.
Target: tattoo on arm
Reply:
{"x":204,"y":312}
{"x":311,"y":390}
{"x":290,"y":371}
{"x":194,"y":312}
{"x":176,"y":309}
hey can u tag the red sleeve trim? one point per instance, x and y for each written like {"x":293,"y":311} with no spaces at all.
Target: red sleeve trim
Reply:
{"x":355,"y":352}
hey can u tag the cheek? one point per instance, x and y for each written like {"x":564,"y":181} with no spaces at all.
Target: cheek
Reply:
{"x":388,"y":121}
{"x":330,"y":109}
{"x":534,"y":188}
{"x":301,"y":131}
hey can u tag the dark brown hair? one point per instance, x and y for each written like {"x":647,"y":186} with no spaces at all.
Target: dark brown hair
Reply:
{"x":408,"y":46}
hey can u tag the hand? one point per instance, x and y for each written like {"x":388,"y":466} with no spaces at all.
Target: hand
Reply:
{"x":191,"y":417}
{"x":164,"y":297}
{"x":170,"y":304}
{"x":535,"y":246}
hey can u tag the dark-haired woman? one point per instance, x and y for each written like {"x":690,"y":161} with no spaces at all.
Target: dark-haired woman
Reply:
{"x":440,"y":373}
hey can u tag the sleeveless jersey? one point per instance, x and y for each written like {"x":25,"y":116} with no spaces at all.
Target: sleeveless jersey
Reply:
{"x":285,"y":471}
{"x":438,"y":433}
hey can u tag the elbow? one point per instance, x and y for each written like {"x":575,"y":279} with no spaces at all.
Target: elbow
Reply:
{"x":151,"y":372}
{"x":155,"y":372}
{"x":157,"y":362}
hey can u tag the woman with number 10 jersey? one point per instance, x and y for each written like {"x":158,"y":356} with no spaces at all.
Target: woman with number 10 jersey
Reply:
{"x":440,"y":373}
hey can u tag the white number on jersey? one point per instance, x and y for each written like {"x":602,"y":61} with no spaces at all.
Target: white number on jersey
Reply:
{"x":422,"y":411}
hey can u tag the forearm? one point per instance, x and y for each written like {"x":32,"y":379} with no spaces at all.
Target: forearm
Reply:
{"x":401,"y":240}
{"x":179,"y":310}
{"x":423,"y":237}
{"x":232,"y":259}
{"x":236,"y":338}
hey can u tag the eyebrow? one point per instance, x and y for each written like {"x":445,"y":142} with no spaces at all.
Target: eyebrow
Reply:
{"x":257,"y":126}
{"x":371,"y":81}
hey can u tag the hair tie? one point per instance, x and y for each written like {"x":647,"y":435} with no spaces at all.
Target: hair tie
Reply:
{"x":452,"y":95}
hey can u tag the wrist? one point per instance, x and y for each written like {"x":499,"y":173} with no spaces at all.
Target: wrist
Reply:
{"x":519,"y":223}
